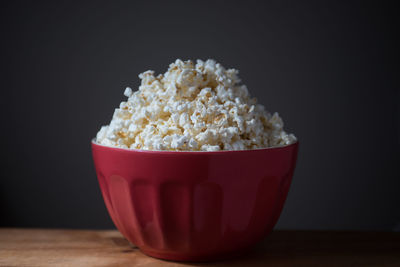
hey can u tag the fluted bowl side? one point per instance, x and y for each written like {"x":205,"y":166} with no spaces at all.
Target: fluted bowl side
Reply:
{"x":194,"y":206}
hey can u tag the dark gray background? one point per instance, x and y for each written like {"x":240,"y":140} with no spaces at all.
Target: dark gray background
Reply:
{"x":329,"y":69}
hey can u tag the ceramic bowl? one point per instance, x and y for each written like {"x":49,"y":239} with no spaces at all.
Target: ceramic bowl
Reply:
{"x":194,"y":206}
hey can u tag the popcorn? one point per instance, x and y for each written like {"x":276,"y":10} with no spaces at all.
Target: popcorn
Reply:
{"x":193,"y":107}
{"x":128,"y":92}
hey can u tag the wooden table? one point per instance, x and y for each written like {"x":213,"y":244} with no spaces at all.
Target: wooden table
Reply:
{"x":30,"y":247}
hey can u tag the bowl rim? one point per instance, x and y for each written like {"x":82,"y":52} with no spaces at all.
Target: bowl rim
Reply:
{"x":166,"y":152}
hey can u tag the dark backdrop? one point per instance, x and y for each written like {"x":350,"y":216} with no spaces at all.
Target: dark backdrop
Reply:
{"x":329,"y":69}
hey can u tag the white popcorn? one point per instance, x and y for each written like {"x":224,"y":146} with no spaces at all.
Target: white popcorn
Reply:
{"x":128,"y":92}
{"x":193,"y":107}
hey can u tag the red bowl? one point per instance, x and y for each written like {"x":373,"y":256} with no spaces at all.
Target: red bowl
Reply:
{"x":194,"y":206}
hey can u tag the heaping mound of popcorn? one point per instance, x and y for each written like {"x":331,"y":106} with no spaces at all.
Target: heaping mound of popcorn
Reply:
{"x":193,"y":107}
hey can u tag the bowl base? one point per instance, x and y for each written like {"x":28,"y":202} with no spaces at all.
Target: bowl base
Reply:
{"x":188,"y":257}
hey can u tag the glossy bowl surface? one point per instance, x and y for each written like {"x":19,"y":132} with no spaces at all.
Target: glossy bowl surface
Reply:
{"x":194,"y":206}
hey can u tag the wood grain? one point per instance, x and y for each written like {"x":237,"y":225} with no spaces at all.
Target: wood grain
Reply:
{"x":36,"y":247}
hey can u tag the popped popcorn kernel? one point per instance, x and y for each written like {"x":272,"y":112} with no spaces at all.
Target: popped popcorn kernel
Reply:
{"x":193,"y":107}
